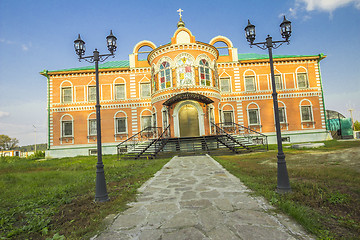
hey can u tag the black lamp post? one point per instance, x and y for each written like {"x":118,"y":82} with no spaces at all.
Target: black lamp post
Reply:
{"x":101,"y":194}
{"x":283,"y":184}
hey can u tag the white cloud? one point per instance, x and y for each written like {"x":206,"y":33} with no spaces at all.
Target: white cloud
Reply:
{"x":4,"y":114}
{"x":327,"y":5}
{"x":302,"y":8}
{"x":24,"y":46}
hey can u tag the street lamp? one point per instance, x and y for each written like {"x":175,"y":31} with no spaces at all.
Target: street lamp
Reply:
{"x":283,"y":184}
{"x":101,"y":194}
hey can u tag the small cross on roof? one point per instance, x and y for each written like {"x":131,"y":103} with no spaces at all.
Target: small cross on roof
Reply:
{"x":180,"y":11}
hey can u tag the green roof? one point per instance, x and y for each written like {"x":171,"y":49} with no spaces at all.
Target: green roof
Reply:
{"x":110,"y":64}
{"x":255,"y":56}
{"x":125,"y":63}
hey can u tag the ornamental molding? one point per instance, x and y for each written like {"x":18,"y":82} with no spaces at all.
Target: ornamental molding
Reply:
{"x":101,"y":72}
{"x":109,"y":106}
{"x":269,"y":96}
{"x":182,"y":47}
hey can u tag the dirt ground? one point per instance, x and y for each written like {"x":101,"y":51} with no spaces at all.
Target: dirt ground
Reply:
{"x":347,"y":157}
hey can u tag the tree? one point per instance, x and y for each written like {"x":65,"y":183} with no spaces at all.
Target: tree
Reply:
{"x":8,"y":143}
{"x":357,"y":125}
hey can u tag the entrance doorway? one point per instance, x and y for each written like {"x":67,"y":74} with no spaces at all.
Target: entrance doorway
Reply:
{"x":188,"y":121}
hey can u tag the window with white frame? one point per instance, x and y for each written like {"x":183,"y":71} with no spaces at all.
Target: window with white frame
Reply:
{"x":253,"y":116}
{"x":120,"y":125}
{"x":306,"y":114}
{"x":92,"y":127}
{"x":278,"y":82}
{"x":204,"y":73}
{"x":66,"y":95}
{"x":145,"y":122}
{"x":119,"y":91}
{"x":228,"y":117}
{"x":92,"y":93}
{"x":67,"y":128}
{"x":302,"y":80}
{"x":165,"y":75}
{"x":225,"y":85}
{"x":282,"y":116}
{"x":145,"y":90}
{"x":250,"y":85}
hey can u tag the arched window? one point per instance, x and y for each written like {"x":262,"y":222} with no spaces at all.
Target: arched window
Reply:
{"x":92,"y":128}
{"x":204,"y":73}
{"x":306,"y":111}
{"x":165,"y":75}
{"x":67,"y":126}
{"x":185,"y":71}
{"x":302,"y":78}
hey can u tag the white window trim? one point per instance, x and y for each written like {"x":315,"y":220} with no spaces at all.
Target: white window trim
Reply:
{"x":115,"y":96}
{"x":177,"y":58}
{"x":88,"y":92}
{"x":143,"y":83}
{"x":307,"y":80}
{"x":229,"y":78}
{"x":255,"y":85}
{"x":62,"y":95}
{"x":210,"y":72}
{"x":116,"y":126}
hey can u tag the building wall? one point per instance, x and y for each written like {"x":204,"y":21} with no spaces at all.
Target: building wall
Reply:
{"x":238,"y":100}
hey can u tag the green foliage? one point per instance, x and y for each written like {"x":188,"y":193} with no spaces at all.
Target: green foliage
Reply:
{"x":357,"y":125}
{"x":324,"y":197}
{"x":37,"y":155}
{"x":8,"y":143}
{"x":54,"y":198}
{"x":31,"y":148}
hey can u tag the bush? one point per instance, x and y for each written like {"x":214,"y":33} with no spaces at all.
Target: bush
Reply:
{"x":37,"y":155}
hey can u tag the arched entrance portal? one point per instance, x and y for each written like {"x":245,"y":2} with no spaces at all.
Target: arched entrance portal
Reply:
{"x":189,"y":121}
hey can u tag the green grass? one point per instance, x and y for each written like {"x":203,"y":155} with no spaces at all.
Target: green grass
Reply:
{"x":325,"y":195}
{"x":54,"y":198}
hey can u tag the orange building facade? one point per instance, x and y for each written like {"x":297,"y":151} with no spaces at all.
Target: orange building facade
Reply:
{"x":186,"y":85}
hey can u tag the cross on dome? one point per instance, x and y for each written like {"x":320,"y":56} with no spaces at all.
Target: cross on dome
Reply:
{"x":180,"y":11}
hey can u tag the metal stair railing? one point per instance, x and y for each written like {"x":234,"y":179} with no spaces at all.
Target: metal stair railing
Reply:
{"x":139,"y":137}
{"x":221,"y":131}
{"x":155,"y":141}
{"x":252,"y":136}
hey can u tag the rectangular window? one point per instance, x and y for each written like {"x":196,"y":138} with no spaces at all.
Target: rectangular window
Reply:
{"x":302,"y":80}
{"x":250,"y":84}
{"x":228,"y":117}
{"x":67,"y":129}
{"x":278,"y":82}
{"x":253,"y":116}
{"x":145,"y":90}
{"x":119,"y":91}
{"x":121,"y":125}
{"x":145,"y":122}
{"x":282,"y":117}
{"x":306,"y":115}
{"x":66,"y":95}
{"x":92,"y":127}
{"x":225,"y":85}
{"x":92,"y":93}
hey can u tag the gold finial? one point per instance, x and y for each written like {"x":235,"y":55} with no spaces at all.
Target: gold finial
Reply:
{"x":180,"y":23}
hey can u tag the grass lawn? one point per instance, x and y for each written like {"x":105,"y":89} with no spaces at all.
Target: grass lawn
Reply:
{"x":325,"y":183}
{"x":54,"y":199}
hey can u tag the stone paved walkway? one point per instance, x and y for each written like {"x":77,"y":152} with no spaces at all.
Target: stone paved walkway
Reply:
{"x":194,"y":197}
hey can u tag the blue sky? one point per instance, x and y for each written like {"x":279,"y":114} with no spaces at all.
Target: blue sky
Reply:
{"x":37,"y":35}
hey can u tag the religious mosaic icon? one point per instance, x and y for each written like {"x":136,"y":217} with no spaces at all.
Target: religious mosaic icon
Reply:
{"x":185,"y":71}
